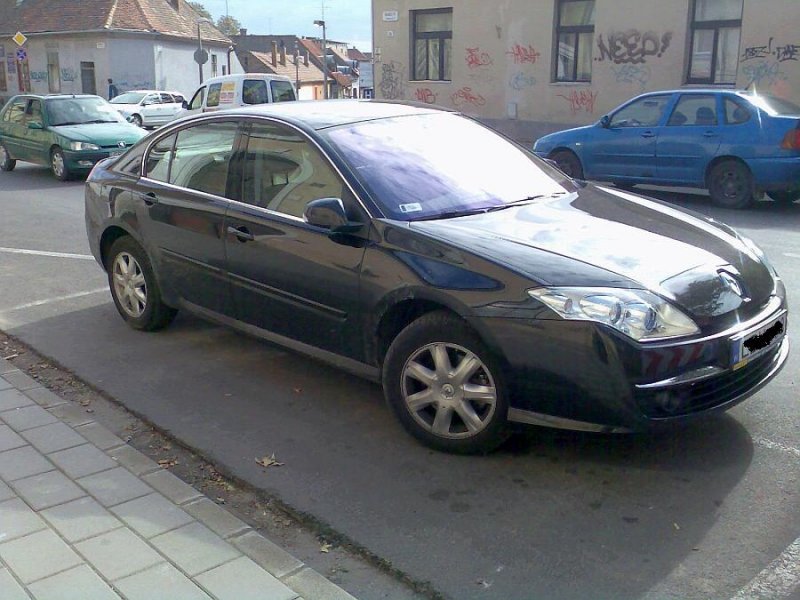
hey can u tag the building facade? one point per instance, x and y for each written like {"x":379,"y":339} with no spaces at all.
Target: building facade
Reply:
{"x":528,"y":67}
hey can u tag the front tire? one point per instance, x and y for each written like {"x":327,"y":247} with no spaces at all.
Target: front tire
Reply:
{"x":730,"y":185}
{"x":136,"y":120}
{"x":569,"y":163}
{"x":6,"y":162}
{"x":445,"y":386}
{"x":58,"y":165}
{"x":785,"y":197}
{"x":134,"y":288}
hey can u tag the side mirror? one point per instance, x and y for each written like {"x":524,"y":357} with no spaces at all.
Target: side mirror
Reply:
{"x":329,"y":213}
{"x":185,"y":105}
{"x":35,"y":125}
{"x":605,"y":121}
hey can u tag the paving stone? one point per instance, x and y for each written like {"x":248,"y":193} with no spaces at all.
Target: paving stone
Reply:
{"x":311,"y":584}
{"x":17,"y":520}
{"x":5,"y":385}
{"x":53,"y":437}
{"x":44,"y":397}
{"x":82,"y":460}
{"x":118,"y":553}
{"x":152,"y":515}
{"x":71,"y":414}
{"x":81,"y":519}
{"x":20,"y":380}
{"x":172,"y":487}
{"x":22,"y":462}
{"x":100,"y":436}
{"x":162,"y":582}
{"x":267,"y":555}
{"x":114,"y":486}
{"x":38,"y":555}
{"x":242,"y":579}
{"x":13,"y":399}
{"x":5,"y":492}
{"x":47,"y":489}
{"x":216,"y":518}
{"x":11,"y":589}
{"x":194,"y":548}
{"x":9,"y":438}
{"x":27,"y":417}
{"x":135,"y":461}
{"x":80,"y":583}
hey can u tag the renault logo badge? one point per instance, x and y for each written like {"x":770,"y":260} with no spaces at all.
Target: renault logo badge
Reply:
{"x":733,"y":284}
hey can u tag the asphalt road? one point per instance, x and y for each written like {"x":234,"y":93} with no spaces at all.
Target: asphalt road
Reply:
{"x":697,"y":512}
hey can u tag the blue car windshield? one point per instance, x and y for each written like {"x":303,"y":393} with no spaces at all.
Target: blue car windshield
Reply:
{"x":424,"y":166}
{"x":80,"y":111}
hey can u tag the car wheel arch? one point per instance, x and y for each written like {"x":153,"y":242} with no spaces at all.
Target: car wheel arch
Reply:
{"x":719,"y":159}
{"x":111,"y":235}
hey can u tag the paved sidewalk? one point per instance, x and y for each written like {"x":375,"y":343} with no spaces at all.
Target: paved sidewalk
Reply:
{"x":84,"y":516}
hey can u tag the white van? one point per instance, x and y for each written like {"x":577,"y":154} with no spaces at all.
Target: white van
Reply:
{"x":240,"y":89}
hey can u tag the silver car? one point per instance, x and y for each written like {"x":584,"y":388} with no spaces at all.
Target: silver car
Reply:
{"x":148,"y":108}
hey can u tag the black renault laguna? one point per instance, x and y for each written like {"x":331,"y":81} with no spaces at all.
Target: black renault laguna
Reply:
{"x":415,"y":246}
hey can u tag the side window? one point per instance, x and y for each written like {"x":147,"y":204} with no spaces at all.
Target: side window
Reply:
{"x":694,"y":109}
{"x":166,"y":99}
{"x":15,"y":112}
{"x":157,"y":165}
{"x":151,"y":99}
{"x":202,"y":156}
{"x":33,"y":112}
{"x":735,"y":113}
{"x":284,"y":172}
{"x":131,"y":162}
{"x":213,"y":94}
{"x":197,"y":99}
{"x":282,"y":91}
{"x":254,"y":91}
{"x":645,"y":112}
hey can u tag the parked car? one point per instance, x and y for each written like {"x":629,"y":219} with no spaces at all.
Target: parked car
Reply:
{"x":240,"y":89}
{"x":736,"y":144}
{"x":148,"y":108}
{"x":69,"y":133}
{"x":478,"y":283}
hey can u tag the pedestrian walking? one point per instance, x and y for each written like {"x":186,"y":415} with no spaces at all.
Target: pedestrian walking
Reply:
{"x":112,"y":89}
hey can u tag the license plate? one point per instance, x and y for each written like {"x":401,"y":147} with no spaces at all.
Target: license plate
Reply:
{"x":745,"y":348}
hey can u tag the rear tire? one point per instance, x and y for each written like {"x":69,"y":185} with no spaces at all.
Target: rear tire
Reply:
{"x":136,"y":120}
{"x":445,"y":386}
{"x":6,"y":162}
{"x":730,"y":185}
{"x":785,"y":197}
{"x":569,"y":163}
{"x":134,"y":287}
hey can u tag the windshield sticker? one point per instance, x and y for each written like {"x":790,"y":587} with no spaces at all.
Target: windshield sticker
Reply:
{"x":409,"y":208}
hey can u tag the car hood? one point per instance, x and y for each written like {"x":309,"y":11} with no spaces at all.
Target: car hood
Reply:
{"x":602,"y":237}
{"x":102,"y":134}
{"x":566,"y":136}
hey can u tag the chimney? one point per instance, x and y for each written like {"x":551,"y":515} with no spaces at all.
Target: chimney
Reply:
{"x":305,"y":58}
{"x":274,"y":53}
{"x":243,"y":31}
{"x":283,"y":55}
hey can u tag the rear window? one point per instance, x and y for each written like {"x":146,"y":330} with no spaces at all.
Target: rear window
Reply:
{"x":282,"y":91}
{"x":774,"y":105}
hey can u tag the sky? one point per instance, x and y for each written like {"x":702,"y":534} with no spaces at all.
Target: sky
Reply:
{"x":345,"y":20}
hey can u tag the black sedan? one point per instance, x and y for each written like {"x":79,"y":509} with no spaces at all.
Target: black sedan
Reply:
{"x":481,"y":285}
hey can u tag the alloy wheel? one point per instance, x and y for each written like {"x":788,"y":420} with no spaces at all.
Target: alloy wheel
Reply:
{"x":57,"y":162}
{"x":130,"y":286}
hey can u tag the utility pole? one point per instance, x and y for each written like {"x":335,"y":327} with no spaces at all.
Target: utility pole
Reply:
{"x":321,"y":23}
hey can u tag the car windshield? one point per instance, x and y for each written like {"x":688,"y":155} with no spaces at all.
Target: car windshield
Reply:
{"x":774,"y":105}
{"x":128,"y":98}
{"x":79,"y":111}
{"x":441,"y":165}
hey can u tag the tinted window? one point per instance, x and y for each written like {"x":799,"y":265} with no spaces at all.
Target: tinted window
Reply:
{"x":197,"y":99}
{"x":644,"y":112}
{"x":254,"y":91}
{"x":202,"y":157}
{"x":130,"y":162}
{"x":282,"y":91}
{"x":284,"y":172}
{"x":694,"y":110}
{"x":213,"y":94}
{"x":15,"y":113}
{"x":157,"y":166}
{"x":166,"y":99}
{"x":735,"y":113}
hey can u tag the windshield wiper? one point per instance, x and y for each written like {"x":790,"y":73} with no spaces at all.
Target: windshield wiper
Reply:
{"x":68,"y":123}
{"x":100,"y":121}
{"x":452,"y":214}
{"x":525,"y":200}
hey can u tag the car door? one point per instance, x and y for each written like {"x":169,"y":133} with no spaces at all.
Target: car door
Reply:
{"x":626,"y":147}
{"x":151,"y":104}
{"x":689,"y":140}
{"x":286,"y":275}
{"x":183,"y":203}
{"x":35,"y":138}
{"x":196,"y":103}
{"x":168,"y":108}
{"x":14,"y":128}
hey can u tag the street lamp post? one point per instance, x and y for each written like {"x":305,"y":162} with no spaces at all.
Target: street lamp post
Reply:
{"x":296,"y":67}
{"x":321,"y":23}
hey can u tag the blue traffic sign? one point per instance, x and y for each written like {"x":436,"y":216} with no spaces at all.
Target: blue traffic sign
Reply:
{"x":21,"y":54}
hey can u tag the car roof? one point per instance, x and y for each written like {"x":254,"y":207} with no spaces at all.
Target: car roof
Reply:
{"x":320,"y":114}
{"x":54,"y":96}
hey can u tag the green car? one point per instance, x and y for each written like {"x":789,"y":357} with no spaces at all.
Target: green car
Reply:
{"x":68,"y":133}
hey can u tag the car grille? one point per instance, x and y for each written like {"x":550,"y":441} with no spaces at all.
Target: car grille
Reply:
{"x":689,"y":398}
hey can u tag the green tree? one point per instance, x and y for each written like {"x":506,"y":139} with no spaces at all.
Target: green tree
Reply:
{"x":229,"y":25}
{"x":201,"y":10}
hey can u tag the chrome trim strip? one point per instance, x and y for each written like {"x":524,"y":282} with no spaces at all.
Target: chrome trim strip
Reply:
{"x":688,"y":377}
{"x":517,"y":415}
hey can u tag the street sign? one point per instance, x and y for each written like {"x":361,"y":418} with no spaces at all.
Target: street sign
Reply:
{"x":19,"y":38}
{"x":200,"y":56}
{"x":21,"y":54}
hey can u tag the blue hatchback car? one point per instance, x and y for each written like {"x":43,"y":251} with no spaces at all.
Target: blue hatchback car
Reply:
{"x":737,"y":144}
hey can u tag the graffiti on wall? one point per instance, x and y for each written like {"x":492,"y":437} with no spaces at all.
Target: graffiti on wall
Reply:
{"x":632,"y":46}
{"x":523,"y":54}
{"x":521,"y":80}
{"x":580,"y":101}
{"x":763,"y":73}
{"x":476,"y":59}
{"x":391,"y":84}
{"x":634,"y":74}
{"x":38,"y":75}
{"x":465,"y":96}
{"x":771,"y":50}
{"x":425,"y":95}
{"x":67,"y":74}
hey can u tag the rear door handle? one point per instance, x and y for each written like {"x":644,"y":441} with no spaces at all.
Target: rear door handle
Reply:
{"x":710,"y":134}
{"x":149,"y":198}
{"x":242,"y":233}
{"x":648,"y":134}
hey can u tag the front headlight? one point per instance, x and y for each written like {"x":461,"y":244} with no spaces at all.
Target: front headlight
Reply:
{"x":83,"y":146}
{"x":638,"y":314}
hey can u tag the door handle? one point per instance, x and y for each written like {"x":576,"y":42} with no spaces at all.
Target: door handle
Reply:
{"x":710,"y":134}
{"x":149,"y":198}
{"x":648,"y":134}
{"x":241,"y":233}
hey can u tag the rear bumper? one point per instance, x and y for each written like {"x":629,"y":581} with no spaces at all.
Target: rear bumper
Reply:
{"x":776,"y":174}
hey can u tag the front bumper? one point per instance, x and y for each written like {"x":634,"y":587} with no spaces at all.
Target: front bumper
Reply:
{"x":84,"y":160}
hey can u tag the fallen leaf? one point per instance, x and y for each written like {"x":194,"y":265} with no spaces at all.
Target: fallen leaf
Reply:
{"x":168,"y":462}
{"x":269,"y":461}
{"x":325,"y":547}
